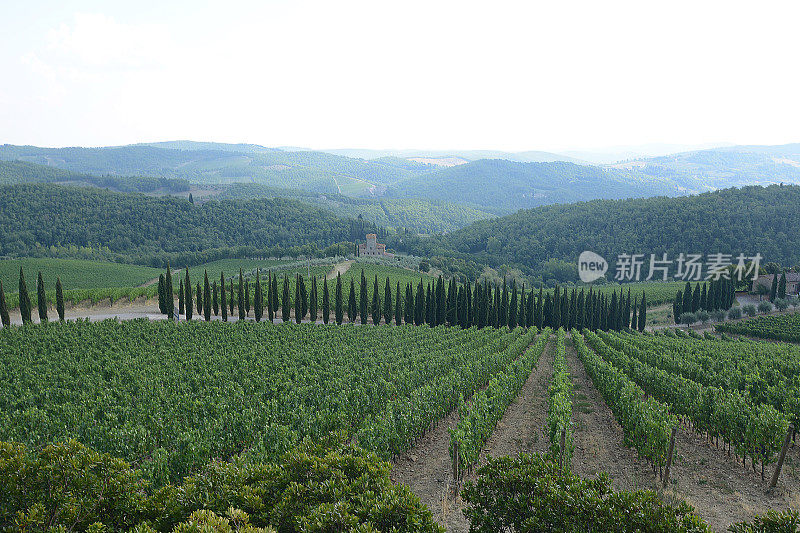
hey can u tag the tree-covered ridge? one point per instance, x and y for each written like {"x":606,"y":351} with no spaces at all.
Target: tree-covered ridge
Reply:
{"x":723,"y":167}
{"x":33,"y":217}
{"x":749,"y":220}
{"x":501,"y":186}
{"x":308,"y":170}
{"x":16,"y":172}
{"x":414,"y":214}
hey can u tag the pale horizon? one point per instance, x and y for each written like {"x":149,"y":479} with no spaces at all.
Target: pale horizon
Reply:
{"x":577,"y":76}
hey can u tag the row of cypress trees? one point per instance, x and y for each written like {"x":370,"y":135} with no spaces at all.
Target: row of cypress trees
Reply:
{"x":435,"y":303}
{"x":25,"y":306}
{"x":707,"y":296}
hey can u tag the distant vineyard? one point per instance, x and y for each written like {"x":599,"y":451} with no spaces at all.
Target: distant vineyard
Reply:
{"x":778,"y":327}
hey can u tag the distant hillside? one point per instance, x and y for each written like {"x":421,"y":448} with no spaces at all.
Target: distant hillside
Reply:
{"x":221,"y":147}
{"x":314,"y":171}
{"x":719,"y":168}
{"x":16,"y":172}
{"x":531,"y":156}
{"x":413,"y":214}
{"x":34,"y":218}
{"x":501,"y":186}
{"x":749,"y":220}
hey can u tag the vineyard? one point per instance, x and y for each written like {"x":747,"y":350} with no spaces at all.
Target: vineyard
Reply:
{"x":784,"y":327}
{"x":171,"y":398}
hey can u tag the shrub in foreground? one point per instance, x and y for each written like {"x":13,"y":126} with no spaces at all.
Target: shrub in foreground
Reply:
{"x":531,"y":494}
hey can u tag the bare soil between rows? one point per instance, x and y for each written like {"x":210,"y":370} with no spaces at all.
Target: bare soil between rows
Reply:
{"x":427,"y":470}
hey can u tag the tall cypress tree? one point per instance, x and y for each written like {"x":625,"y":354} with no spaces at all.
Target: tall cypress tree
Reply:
{"x":300,"y":299}
{"x":512,"y":307}
{"x":207,"y":297}
{"x":363,"y":303}
{"x":502,"y":316}
{"x":162,"y":307}
{"x":312,"y":301}
{"x":215,"y":298}
{"x":199,"y":300}
{"x":773,"y":291}
{"x":223,"y":297}
{"x":275,"y":303}
{"x":557,"y":307}
{"x":4,"y":316}
{"x":398,"y":306}
{"x":241,"y":296}
{"x":696,"y":298}
{"x":643,"y":312}
{"x":326,"y":301}
{"x":612,"y":311}
{"x":181,"y":294}
{"x":376,"y":303}
{"x":387,"y":302}
{"x":677,"y":308}
{"x":352,"y":309}
{"x":258,"y":298}
{"x":704,"y":297}
{"x":187,"y":285}
{"x":270,"y":308}
{"x":782,"y":286}
{"x":441,"y":302}
{"x":286,"y":308}
{"x":687,"y":298}
{"x":338,"y":303}
{"x":169,"y":299}
{"x":231,"y":298}
{"x":564,"y":309}
{"x":409,"y":307}
{"x":41,"y":298}
{"x":634,"y":323}
{"x":247,"y":298}
{"x":419,"y":305}
{"x":59,"y":299}
{"x":580,"y":311}
{"x":24,"y":299}
{"x":470,"y":305}
{"x":522,"y":319}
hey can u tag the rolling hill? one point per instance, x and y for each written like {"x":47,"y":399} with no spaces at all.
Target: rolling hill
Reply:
{"x":749,"y":220}
{"x":500,"y":186}
{"x":47,"y":219}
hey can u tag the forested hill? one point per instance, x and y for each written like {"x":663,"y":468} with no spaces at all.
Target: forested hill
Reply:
{"x":316,"y":171}
{"x":18,"y":172}
{"x":138,"y":227}
{"x":502,"y":186}
{"x":746,"y":220}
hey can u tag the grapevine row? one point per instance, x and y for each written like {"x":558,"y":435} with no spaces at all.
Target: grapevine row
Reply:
{"x":647,"y":423}
{"x":478,"y":419}
{"x":559,"y":412}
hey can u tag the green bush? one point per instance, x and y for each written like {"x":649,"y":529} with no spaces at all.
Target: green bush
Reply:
{"x":530,"y":493}
{"x":316,"y":487}
{"x":773,"y":522}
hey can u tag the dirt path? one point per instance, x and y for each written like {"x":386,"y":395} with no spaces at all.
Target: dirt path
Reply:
{"x":339,"y":268}
{"x":721,"y":491}
{"x":523,"y":426}
{"x":426,"y":469}
{"x":598,"y":437}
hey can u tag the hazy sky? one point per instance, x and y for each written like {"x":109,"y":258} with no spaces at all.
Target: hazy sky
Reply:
{"x":403,"y":74}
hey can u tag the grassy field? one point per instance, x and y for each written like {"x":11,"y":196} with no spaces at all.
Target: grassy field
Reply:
{"x":74,"y":273}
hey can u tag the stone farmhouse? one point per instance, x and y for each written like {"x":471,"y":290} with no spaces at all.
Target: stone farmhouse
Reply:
{"x":372,"y":248}
{"x":792,"y":282}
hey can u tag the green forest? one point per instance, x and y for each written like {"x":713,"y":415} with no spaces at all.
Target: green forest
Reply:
{"x":749,"y":220}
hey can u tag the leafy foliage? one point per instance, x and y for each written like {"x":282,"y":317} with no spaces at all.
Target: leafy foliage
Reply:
{"x":531,"y":493}
{"x":316,"y":487}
